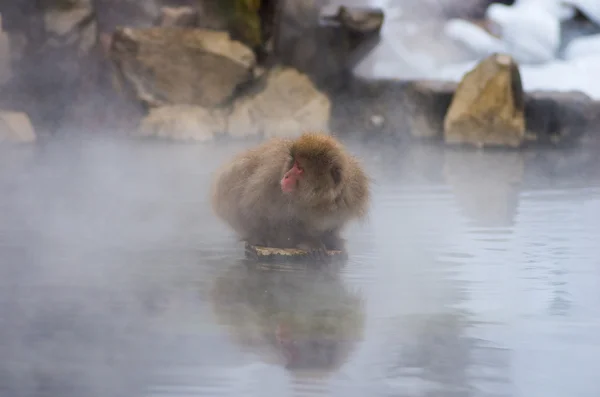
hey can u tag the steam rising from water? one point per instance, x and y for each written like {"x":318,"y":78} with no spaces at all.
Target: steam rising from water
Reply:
{"x":477,"y":273}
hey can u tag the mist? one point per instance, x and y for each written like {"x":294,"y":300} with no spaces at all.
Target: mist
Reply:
{"x":476,"y":273}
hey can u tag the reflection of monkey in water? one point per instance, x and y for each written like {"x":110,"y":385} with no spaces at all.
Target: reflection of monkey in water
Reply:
{"x":292,"y":193}
{"x":301,"y":319}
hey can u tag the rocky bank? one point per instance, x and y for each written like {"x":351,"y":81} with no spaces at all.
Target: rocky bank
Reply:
{"x":200,"y":70}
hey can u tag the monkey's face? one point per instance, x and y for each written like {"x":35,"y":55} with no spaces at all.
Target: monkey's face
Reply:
{"x":291,"y":179}
{"x":310,"y":181}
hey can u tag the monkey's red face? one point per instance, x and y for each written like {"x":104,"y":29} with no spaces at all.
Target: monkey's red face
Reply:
{"x":290,"y":180}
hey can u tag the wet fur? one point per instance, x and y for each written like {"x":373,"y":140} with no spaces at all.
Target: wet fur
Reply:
{"x":247,"y":193}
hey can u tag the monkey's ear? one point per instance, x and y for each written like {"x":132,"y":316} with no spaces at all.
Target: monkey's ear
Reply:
{"x":336,"y":174}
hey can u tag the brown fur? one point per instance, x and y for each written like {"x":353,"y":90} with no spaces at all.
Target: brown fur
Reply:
{"x":333,"y":191}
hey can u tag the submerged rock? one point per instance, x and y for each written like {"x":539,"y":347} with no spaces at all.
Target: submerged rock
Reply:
{"x":488,"y":107}
{"x":169,"y":66}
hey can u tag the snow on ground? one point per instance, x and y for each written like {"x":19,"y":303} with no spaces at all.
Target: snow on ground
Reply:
{"x":414,"y":48}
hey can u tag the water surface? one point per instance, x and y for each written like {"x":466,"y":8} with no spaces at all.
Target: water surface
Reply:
{"x":477,"y":274}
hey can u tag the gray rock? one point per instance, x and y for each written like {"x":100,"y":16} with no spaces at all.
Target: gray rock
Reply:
{"x":326,"y":43}
{"x":558,"y":118}
{"x":426,"y":103}
{"x":169,"y":66}
{"x":50,"y":51}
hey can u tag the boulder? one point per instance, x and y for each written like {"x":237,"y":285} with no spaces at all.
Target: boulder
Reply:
{"x":323,"y":42}
{"x":207,"y":14}
{"x":211,"y":14}
{"x":185,"y":17}
{"x":284,"y":103}
{"x":16,"y":127}
{"x":488,"y":106}
{"x":170,"y":66}
{"x":558,"y":118}
{"x":183,"y":123}
{"x":426,"y":103}
{"x":551,"y":117}
{"x":111,"y":14}
{"x":73,"y":24}
{"x":58,"y":38}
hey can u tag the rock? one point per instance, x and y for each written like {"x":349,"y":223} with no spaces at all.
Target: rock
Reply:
{"x":287,"y":255}
{"x":323,"y":43}
{"x":363,"y":21}
{"x":58,"y":38}
{"x":169,"y":66}
{"x":245,"y":21}
{"x":287,"y":102}
{"x":551,"y":117}
{"x":183,"y":123}
{"x":185,"y":17}
{"x":358,"y":29}
{"x":16,"y":127}
{"x":71,"y":24}
{"x":112,"y":14}
{"x":558,"y":118}
{"x":211,"y":14}
{"x":426,"y":103}
{"x":5,"y":56}
{"x":488,"y":106}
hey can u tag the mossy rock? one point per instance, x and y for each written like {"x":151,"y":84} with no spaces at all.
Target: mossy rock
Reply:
{"x":244,"y":20}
